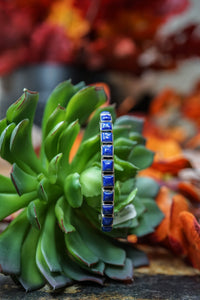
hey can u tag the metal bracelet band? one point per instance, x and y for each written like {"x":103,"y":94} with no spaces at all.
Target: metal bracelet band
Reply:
{"x":107,"y":171}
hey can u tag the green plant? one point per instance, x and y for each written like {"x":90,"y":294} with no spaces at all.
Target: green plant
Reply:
{"x":57,"y":236}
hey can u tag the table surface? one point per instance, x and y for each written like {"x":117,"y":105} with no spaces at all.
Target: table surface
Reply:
{"x":168,"y":277}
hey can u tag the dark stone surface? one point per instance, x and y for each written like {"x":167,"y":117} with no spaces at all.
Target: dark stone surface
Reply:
{"x":144,"y":287}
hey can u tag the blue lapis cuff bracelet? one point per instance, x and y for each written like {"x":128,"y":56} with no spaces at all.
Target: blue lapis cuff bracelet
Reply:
{"x":107,"y":171}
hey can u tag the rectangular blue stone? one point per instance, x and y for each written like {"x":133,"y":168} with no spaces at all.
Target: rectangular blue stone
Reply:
{"x":105,"y":116}
{"x":106,"y":126}
{"x":107,"y":221}
{"x":106,"y":137}
{"x":108,"y":180}
{"x":107,"y":209}
{"x":107,"y":165}
{"x":106,"y":229}
{"x":108,"y":196}
{"x":107,"y":150}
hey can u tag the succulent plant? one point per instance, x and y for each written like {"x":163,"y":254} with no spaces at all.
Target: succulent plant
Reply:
{"x":56,"y":238}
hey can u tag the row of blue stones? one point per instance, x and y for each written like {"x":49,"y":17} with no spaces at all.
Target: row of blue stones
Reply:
{"x":107,"y":168}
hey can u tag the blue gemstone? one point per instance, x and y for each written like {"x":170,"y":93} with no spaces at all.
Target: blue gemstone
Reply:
{"x":107,"y":221}
{"x":107,"y":150}
{"x":106,"y":126}
{"x":106,"y":116}
{"x":107,"y":209}
{"x":108,"y":196}
{"x":107,"y":165}
{"x":106,"y":137}
{"x":106,"y":229}
{"x":108,"y":180}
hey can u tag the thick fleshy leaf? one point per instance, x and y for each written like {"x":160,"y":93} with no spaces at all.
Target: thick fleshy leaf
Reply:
{"x":99,"y":244}
{"x":60,"y":96}
{"x":129,"y":199}
{"x":90,"y":180}
{"x":23,"y":108}
{"x":55,"y":279}
{"x":21,"y":146}
{"x":135,"y":123}
{"x":30,"y":277}
{"x":48,"y":192}
{"x":65,"y":143}
{"x":138,"y":257}
{"x":147,"y":187}
{"x":127,"y":186}
{"x":48,"y":237}
{"x":72,"y":190}
{"x":23,"y":182}
{"x":5,"y":143}
{"x":35,"y":213}
{"x":3,"y":125}
{"x":10,"y":244}
{"x":10,"y":203}
{"x":51,"y":141}
{"x":141,"y":157}
{"x":124,"y":142}
{"x":85,"y":153}
{"x":139,"y":206}
{"x":57,"y":116}
{"x":53,"y":168}
{"x":6,"y":185}
{"x":137,"y":138}
{"x":92,"y":128}
{"x":77,"y":109}
{"x":124,"y":273}
{"x":128,"y":169}
{"x":63,"y":214}
{"x":74,"y":271}
{"x":149,"y":219}
{"x":79,"y":250}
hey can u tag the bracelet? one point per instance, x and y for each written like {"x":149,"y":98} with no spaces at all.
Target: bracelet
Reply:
{"x":107,"y":171}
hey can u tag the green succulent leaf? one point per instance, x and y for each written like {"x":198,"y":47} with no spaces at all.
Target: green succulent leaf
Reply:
{"x":149,"y":219}
{"x":11,"y":243}
{"x":65,"y":143}
{"x":30,"y":277}
{"x":57,"y":116}
{"x":53,"y":168}
{"x":63,"y":213}
{"x":79,"y":250}
{"x":5,"y":143}
{"x":147,"y":187}
{"x":129,"y":199}
{"x":124,"y":273}
{"x":51,"y":141}
{"x":6,"y":185}
{"x":35,"y":213}
{"x":135,"y":123}
{"x":23,"y":182}
{"x":138,"y":257}
{"x":126,"y":171}
{"x":92,"y":128}
{"x":61,"y":95}
{"x":3,"y":125}
{"x":10,"y":203}
{"x":141,"y":157}
{"x":76,"y":109}
{"x":48,"y":237}
{"x":55,"y":279}
{"x":72,"y":190}
{"x":23,"y":108}
{"x":104,"y":249}
{"x":84,"y":154}
{"x":90,"y":181}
